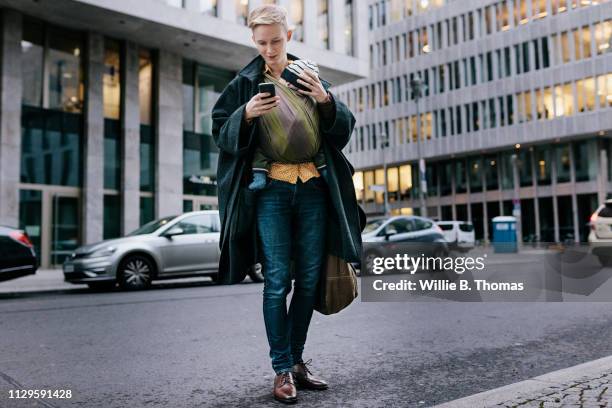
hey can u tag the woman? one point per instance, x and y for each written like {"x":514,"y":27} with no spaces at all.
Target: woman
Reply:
{"x":297,"y":217}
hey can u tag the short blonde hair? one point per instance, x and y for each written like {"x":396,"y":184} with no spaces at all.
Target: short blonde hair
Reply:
{"x":268,"y":14}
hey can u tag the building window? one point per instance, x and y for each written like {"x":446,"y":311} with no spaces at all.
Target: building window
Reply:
{"x":348,"y":29}
{"x":208,"y":7}
{"x":202,"y":86}
{"x":32,"y":51}
{"x":490,"y":166}
{"x":147,"y":213}
{"x":563,"y":163}
{"x":242,"y":11}
{"x":112,"y":217}
{"x":323,"y":23}
{"x":585,"y":92}
{"x":603,"y":36}
{"x":112,"y":154}
{"x":564,"y":100}
{"x":65,"y":76}
{"x":147,"y":158}
{"x":111,"y":80}
{"x":565,"y":51}
{"x":296,"y":13}
{"x":51,"y":147}
{"x":558,"y":6}
{"x":145,"y":86}
{"x":52,"y":74}
{"x":543,"y":163}
{"x":586,"y":168}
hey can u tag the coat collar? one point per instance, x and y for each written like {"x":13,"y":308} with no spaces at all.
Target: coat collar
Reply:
{"x":253,"y":71}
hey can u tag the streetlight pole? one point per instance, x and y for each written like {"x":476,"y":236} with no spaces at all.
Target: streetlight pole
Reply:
{"x":384,"y":144}
{"x":418,"y":87}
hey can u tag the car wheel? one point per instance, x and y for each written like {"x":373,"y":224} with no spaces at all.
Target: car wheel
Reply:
{"x":439,"y":253}
{"x":256,"y":273}
{"x":102,"y":286}
{"x":135,"y":272}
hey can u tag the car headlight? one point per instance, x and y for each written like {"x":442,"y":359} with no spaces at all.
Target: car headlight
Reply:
{"x":102,"y":252}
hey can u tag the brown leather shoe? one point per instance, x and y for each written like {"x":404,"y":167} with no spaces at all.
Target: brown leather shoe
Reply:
{"x":305,"y":379}
{"x":284,"y":388}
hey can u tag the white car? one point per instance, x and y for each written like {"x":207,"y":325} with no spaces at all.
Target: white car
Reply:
{"x":600,"y":237}
{"x":459,"y":234}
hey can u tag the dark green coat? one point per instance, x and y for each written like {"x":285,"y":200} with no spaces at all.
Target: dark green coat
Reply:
{"x":236,"y":141}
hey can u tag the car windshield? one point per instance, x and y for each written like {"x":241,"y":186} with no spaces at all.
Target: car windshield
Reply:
{"x":373,"y":225}
{"x":152,"y":226}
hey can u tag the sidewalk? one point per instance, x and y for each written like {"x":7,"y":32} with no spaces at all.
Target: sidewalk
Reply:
{"x":43,"y":280}
{"x":587,"y":385}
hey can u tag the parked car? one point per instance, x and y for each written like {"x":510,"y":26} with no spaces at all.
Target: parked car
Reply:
{"x":600,"y":237}
{"x":172,"y":247}
{"x":459,"y":235}
{"x":17,"y":255}
{"x":423,"y":235}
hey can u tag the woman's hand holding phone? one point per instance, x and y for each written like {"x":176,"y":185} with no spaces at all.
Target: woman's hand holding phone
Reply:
{"x":260,"y":104}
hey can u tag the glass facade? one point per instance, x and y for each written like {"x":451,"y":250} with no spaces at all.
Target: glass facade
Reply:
{"x":147,"y":158}
{"x":202,"y":86}
{"x":296,"y":17}
{"x":64,"y":70}
{"x":112,"y":216}
{"x":323,"y":23}
{"x":51,"y":147}
{"x":111,"y":80}
{"x":30,"y":216}
{"x":53,"y":69}
{"x":112,"y":154}
{"x":146,"y":210}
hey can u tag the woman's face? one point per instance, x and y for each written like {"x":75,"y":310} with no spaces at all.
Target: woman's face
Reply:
{"x":271,"y":42}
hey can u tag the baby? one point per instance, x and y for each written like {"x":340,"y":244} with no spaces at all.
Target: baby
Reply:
{"x":289,"y":133}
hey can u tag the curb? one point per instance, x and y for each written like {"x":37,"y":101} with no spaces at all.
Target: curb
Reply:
{"x":534,"y":386}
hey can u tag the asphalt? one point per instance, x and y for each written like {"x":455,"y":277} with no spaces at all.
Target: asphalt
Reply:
{"x":201,"y":345}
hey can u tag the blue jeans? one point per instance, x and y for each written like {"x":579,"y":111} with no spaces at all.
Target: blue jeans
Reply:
{"x":291,"y":221}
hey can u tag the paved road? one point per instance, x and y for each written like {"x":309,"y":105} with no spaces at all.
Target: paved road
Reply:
{"x":200,"y":345}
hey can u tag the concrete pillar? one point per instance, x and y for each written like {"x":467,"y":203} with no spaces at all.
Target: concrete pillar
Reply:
{"x":336,"y":26}
{"x":93,"y":156}
{"x":553,"y":175}
{"x":130,"y":139}
{"x":169,"y":135}
{"x":602,"y":175}
{"x":485,"y":212}
{"x":310,"y":25}
{"x":536,"y":206}
{"x":574,"y":197}
{"x":10,"y":116}
{"x":226,"y":9}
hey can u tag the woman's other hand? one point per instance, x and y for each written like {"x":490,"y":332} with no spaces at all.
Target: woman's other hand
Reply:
{"x":260,"y":104}
{"x":311,"y":80}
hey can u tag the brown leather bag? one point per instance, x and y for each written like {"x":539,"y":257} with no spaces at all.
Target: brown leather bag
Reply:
{"x":337,"y":286}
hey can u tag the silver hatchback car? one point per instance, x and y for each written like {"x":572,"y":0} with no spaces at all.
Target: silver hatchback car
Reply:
{"x":172,"y":247}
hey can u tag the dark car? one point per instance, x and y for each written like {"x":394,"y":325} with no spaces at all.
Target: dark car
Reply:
{"x":17,"y":255}
{"x":417,"y":235}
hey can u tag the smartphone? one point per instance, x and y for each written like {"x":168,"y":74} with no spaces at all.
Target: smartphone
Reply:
{"x":267,"y":87}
